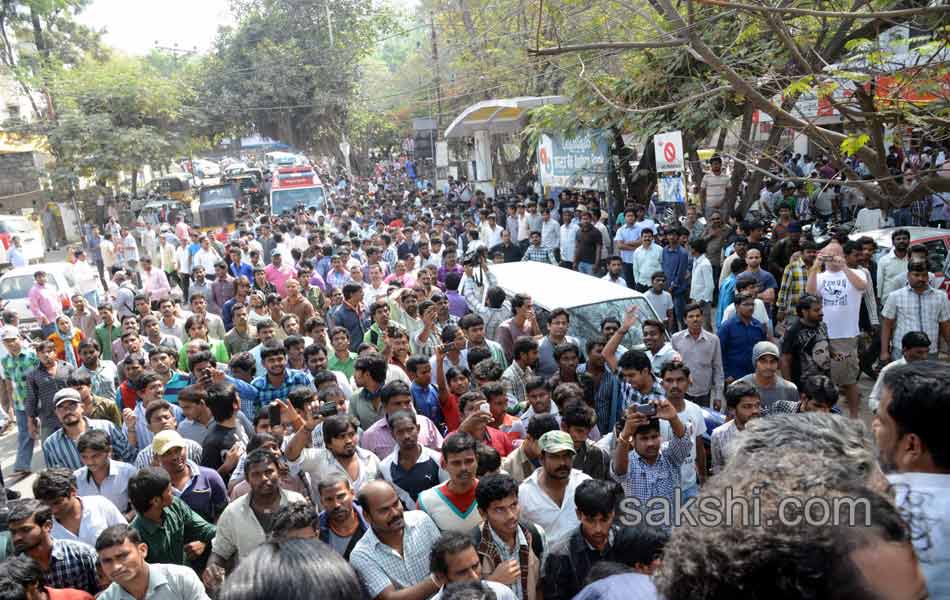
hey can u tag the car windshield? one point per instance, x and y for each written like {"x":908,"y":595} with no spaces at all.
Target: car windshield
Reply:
{"x":585,"y":320}
{"x":16,"y":287}
{"x":15,"y":226}
{"x":287,"y":200}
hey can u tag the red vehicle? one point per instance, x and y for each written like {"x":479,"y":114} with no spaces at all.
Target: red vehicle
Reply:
{"x":296,"y":186}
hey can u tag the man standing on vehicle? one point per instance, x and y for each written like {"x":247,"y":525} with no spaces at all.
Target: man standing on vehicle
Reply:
{"x":841,"y":290}
{"x":44,"y":304}
{"x":892,"y":268}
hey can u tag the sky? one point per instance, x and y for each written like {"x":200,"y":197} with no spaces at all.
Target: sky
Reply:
{"x":137,"y":26}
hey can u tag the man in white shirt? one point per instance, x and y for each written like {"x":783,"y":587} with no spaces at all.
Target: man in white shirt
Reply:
{"x":550,"y":231}
{"x":87,"y":278}
{"x":712,"y":190}
{"x":647,"y":260}
{"x":892,"y":267}
{"x":841,"y":290}
{"x":74,"y":518}
{"x":205,"y":256}
{"x":913,"y":450}
{"x":555,"y":477}
{"x":701,"y":284}
{"x":568,"y":238}
{"x":675,"y":377}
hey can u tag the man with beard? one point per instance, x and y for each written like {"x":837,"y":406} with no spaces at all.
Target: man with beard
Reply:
{"x":65,"y":563}
{"x":547,"y":496}
{"x":452,"y":505}
{"x":805,"y":348}
{"x":473,"y":327}
{"x":784,"y":249}
{"x":317,"y":360}
{"x":42,"y":384}
{"x":412,"y":468}
{"x":645,"y":467}
{"x":242,"y":336}
{"x":765,"y":379}
{"x":340,"y":454}
{"x":246,"y":522}
{"x":175,"y":534}
{"x":74,"y":518}
{"x":122,"y":556}
{"x":743,"y":401}
{"x":341,"y":523}
{"x":454,"y":561}
{"x":569,"y":562}
{"x":676,"y":378}
{"x":394,"y":554}
{"x":892,"y":268}
{"x":915,"y":307}
{"x":61,"y":448}
{"x":794,"y":279}
{"x":201,"y":488}
{"x":915,"y":403}
{"x":394,"y":397}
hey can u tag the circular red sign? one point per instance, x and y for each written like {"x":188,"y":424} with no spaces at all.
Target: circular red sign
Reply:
{"x":669,"y":152}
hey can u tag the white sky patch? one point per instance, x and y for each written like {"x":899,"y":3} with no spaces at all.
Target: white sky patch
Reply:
{"x":137,"y":26}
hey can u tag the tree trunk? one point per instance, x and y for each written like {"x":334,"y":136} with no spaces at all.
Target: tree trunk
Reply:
{"x":738,"y":168}
{"x":771,"y":147}
{"x":624,"y":156}
{"x":135,"y":182}
{"x":695,"y":163}
{"x":721,"y":140}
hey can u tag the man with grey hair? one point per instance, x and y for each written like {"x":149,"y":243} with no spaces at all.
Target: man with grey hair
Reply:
{"x":861,"y":548}
{"x":833,"y":438}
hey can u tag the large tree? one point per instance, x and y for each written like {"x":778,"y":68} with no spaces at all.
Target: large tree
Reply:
{"x":278,"y":72}
{"x":769,"y":57}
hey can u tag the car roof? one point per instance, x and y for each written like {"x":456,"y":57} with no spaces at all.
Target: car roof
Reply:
{"x":882,"y":237}
{"x":551,"y":287}
{"x":56,"y":267}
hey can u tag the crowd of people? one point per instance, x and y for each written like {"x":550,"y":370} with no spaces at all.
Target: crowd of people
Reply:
{"x":345,"y":404}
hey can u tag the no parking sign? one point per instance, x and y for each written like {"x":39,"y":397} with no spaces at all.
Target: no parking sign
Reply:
{"x":668,"y":149}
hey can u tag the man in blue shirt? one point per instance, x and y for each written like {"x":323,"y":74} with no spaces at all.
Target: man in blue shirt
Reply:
{"x":627,"y":241}
{"x":425,"y":397}
{"x":737,"y":337}
{"x":676,"y":267}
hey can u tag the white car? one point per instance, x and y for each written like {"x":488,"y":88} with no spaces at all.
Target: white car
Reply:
{"x":30,"y":236}
{"x":15,"y":284}
{"x":587,"y":299}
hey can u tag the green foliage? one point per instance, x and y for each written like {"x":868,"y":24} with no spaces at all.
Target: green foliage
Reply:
{"x":854,"y":143}
{"x":277,"y":72}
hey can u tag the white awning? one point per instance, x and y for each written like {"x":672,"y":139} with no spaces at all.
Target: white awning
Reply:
{"x":504,"y":115}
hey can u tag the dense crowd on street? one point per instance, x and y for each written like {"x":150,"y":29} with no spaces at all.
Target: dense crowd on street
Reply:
{"x":345,"y":404}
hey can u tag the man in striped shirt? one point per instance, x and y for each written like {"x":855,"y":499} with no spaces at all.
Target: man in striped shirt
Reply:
{"x":61,"y":449}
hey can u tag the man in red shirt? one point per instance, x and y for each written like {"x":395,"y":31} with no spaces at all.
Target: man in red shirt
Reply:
{"x":477,"y":419}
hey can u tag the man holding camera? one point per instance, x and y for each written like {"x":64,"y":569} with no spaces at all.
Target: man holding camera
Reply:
{"x":841,"y":290}
{"x":643,"y":467}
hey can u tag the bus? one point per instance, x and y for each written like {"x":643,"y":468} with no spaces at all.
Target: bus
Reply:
{"x":296,"y":186}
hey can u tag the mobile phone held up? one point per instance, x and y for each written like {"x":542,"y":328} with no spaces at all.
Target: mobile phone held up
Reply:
{"x":647,"y":409}
{"x":328,"y":409}
{"x":273,"y":414}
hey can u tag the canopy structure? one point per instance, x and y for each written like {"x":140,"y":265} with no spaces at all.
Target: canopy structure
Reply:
{"x":504,"y":115}
{"x":489,"y":117}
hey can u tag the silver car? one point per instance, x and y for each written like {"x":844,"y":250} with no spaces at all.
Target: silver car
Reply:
{"x":15,"y":284}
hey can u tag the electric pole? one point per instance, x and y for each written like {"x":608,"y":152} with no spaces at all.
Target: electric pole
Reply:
{"x":438,"y":77}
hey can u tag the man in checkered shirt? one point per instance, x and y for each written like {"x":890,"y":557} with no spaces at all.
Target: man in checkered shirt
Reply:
{"x":65,"y":563}
{"x":914,"y":307}
{"x":536,"y":253}
{"x":643,"y":467}
{"x":394,"y":554}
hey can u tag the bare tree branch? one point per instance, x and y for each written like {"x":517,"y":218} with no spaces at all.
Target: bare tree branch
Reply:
{"x":880,"y":14}
{"x":604,"y":46}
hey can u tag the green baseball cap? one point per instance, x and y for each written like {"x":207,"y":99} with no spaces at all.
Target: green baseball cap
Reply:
{"x":553,"y":442}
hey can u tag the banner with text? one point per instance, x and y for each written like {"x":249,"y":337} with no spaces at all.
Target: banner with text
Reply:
{"x":577,"y":162}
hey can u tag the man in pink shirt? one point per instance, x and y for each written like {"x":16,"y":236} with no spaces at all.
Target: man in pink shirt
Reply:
{"x":278,"y":275}
{"x":44,"y":304}
{"x":154,"y":282}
